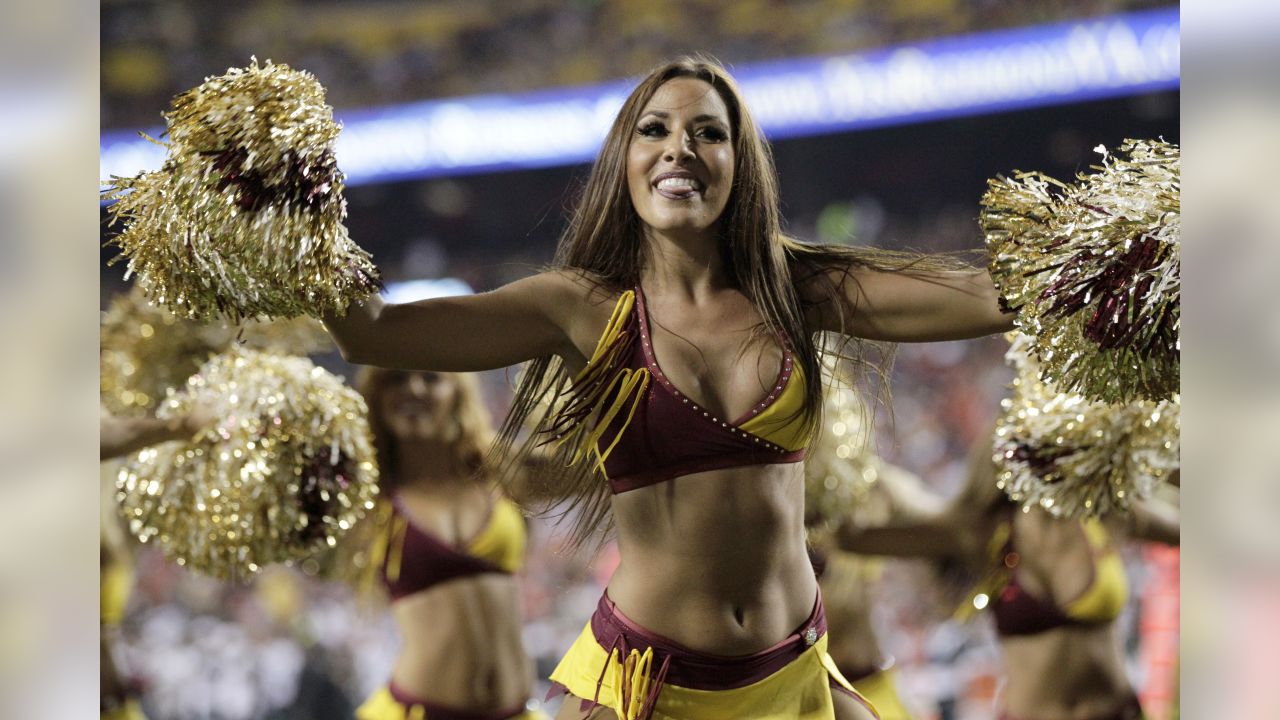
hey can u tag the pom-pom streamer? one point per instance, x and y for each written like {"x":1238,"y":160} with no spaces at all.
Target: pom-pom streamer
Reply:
{"x":1093,"y":270}
{"x":145,"y":349}
{"x":245,"y":218}
{"x":842,"y":466}
{"x":286,"y":471}
{"x":1075,"y":457}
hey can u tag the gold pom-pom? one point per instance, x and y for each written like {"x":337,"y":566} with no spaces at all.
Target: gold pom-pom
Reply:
{"x":1075,"y":457}
{"x":287,"y":470}
{"x":841,"y":467}
{"x":1093,"y":270}
{"x":145,"y":349}
{"x":245,"y":218}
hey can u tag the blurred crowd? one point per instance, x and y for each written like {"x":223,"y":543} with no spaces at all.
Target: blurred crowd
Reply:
{"x":392,"y":51}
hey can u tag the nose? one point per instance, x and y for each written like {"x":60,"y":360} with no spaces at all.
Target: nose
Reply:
{"x":417,"y":385}
{"x":679,"y":148}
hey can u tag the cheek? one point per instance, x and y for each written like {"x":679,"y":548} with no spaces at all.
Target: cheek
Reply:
{"x":386,"y":407}
{"x":447,"y":397}
{"x":637,"y":169}
{"x":723,"y":161}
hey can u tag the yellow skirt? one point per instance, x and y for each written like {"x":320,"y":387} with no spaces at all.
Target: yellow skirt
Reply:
{"x":800,"y":690}
{"x":881,"y":690}
{"x":128,"y":710}
{"x":382,"y":705}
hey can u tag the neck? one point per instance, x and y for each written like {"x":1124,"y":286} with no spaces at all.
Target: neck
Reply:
{"x":684,"y":263}
{"x":429,"y":460}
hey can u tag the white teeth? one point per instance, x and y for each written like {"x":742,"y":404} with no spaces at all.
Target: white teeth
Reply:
{"x":677,"y":183}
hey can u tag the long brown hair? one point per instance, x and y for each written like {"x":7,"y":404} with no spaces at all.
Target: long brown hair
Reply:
{"x":605,"y":242}
{"x":475,"y":426}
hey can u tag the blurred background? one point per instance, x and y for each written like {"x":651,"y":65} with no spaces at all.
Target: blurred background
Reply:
{"x":945,"y":94}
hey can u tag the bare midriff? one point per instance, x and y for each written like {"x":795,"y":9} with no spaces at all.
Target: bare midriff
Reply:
{"x":1068,"y":673}
{"x":716,"y":561}
{"x":463,"y":647}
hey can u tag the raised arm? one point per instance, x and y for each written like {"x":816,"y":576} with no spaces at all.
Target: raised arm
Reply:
{"x":912,"y":305}
{"x":528,"y":318}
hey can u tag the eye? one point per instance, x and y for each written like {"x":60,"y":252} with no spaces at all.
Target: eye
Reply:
{"x":653,"y":128}
{"x":713,"y":133}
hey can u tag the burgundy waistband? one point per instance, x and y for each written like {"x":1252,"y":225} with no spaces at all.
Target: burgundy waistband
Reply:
{"x":435,"y":711}
{"x":698,"y":670}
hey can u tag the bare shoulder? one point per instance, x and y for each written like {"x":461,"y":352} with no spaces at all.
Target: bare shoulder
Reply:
{"x":561,"y":287}
{"x":579,"y":302}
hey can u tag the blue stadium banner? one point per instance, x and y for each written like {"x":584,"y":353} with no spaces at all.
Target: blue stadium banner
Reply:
{"x":986,"y":72}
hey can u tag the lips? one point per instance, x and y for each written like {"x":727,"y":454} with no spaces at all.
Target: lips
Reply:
{"x":413,"y":408}
{"x":679,"y":185}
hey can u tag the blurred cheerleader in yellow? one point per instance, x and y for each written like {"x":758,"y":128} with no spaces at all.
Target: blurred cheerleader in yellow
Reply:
{"x":1054,"y":586}
{"x":847,"y":483}
{"x":447,"y":547}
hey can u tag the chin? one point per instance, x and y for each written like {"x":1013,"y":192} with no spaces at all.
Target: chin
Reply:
{"x":414,"y":430}
{"x":681,"y":224}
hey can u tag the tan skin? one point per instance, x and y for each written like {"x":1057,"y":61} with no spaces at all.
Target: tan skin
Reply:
{"x":120,"y":435}
{"x":689,"y":568}
{"x":461,"y":646}
{"x":1068,"y":673}
{"x":846,"y":595}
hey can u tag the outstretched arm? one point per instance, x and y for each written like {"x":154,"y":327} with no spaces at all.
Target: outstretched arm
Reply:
{"x":919,"y":524}
{"x":921,"y":538}
{"x":1155,"y":520}
{"x":913,"y":305}
{"x":123,"y":435}
{"x":528,"y":318}
{"x":922,"y":527}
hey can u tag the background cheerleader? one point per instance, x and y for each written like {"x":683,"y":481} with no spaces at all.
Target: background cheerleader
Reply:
{"x":1055,"y":588}
{"x":447,"y":546}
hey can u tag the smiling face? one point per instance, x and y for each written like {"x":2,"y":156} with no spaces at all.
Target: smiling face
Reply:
{"x":419,"y":405}
{"x":680,"y":160}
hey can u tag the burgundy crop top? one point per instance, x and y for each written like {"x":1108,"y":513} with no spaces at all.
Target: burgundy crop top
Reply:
{"x":413,"y":560}
{"x":1018,"y":612}
{"x":647,"y":431}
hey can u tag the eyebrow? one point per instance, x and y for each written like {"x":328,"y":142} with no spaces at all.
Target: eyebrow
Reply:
{"x":701,"y":118}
